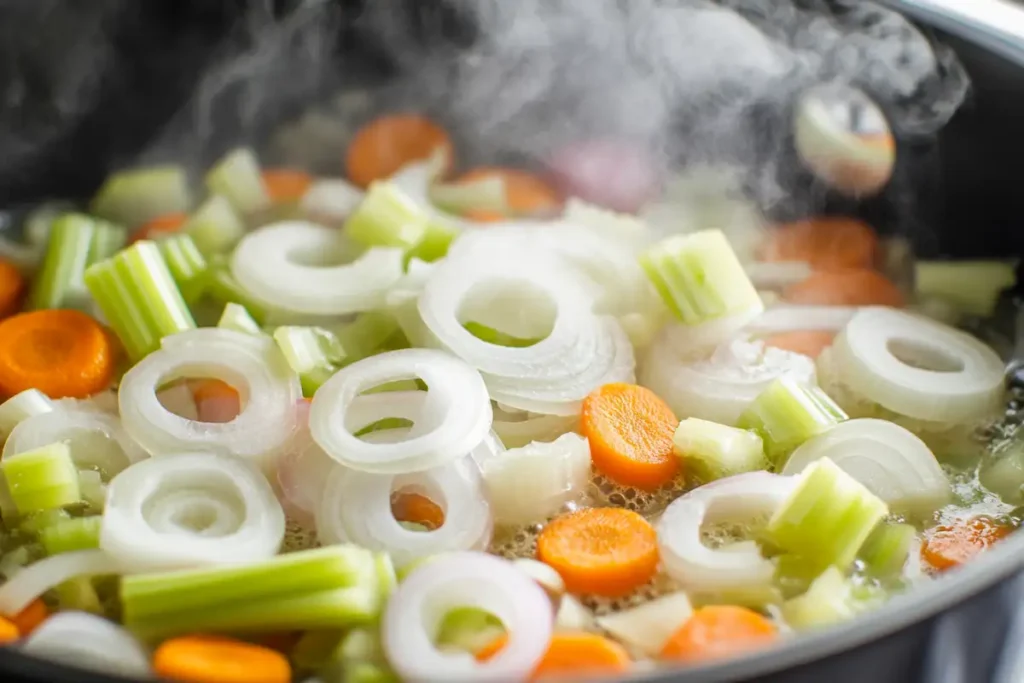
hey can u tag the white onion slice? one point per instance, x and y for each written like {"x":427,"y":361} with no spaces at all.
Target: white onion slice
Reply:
{"x":796,"y":318}
{"x":454,"y":418}
{"x":302,"y":473}
{"x":648,"y":627}
{"x":698,"y":568}
{"x":330,"y":201}
{"x":267,"y":386}
{"x":517,"y":428}
{"x":531,"y":483}
{"x":85,"y":640}
{"x":191,"y":510}
{"x":889,"y":460}
{"x":721,"y":387}
{"x":953,"y":377}
{"x":35,"y":579}
{"x":96,"y":438}
{"x":466,"y":579}
{"x":267,"y":265}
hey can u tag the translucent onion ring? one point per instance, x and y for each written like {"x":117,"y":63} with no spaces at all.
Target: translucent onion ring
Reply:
{"x":302,"y":473}
{"x":190,"y":510}
{"x":695,"y":566}
{"x":466,"y":579}
{"x":35,"y":579}
{"x":268,"y":388}
{"x":454,"y":418}
{"x":517,"y":428}
{"x":263,"y":265}
{"x":90,"y":642}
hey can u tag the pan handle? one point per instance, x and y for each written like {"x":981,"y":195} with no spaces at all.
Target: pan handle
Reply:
{"x":995,"y":24}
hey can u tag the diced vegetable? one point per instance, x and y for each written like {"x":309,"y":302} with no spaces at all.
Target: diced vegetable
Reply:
{"x":382,"y":147}
{"x":312,"y":352}
{"x":77,"y":533}
{"x":828,"y":601}
{"x":20,"y":407}
{"x":198,"y":659}
{"x":713,"y":451}
{"x":79,"y":595}
{"x":468,"y":629}
{"x":370,"y":333}
{"x":237,"y":177}
{"x":787,"y":414}
{"x":235,"y":317}
{"x":41,"y":479}
{"x":136,"y":196}
{"x":972,"y":286}
{"x":215,"y":227}
{"x":719,"y":631}
{"x":887,"y":549}
{"x":950,"y":545}
{"x":649,"y":626}
{"x":186,"y":265}
{"x":223,"y":288}
{"x":387,"y":218}
{"x":59,"y":281}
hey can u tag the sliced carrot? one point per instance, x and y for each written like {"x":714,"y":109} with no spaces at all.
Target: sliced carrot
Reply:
{"x":29,"y":619}
{"x":824,"y":243}
{"x":387,"y":144}
{"x":482,"y":216}
{"x":8,"y":631}
{"x":286,"y":184}
{"x":951,"y":545}
{"x":525,"y":193}
{"x":808,"y":342}
{"x":417,"y":509}
{"x":161,"y":226}
{"x":570,"y":654}
{"x":12,"y":287}
{"x":630,"y":433}
{"x":601,"y":551}
{"x":845,"y":288}
{"x":719,"y":631}
{"x":211,"y":659}
{"x":62,"y":353}
{"x":216,"y":401}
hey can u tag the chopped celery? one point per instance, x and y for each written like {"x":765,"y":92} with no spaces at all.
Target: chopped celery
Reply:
{"x":41,"y":479}
{"x":80,"y":595}
{"x":222,"y":287}
{"x":370,"y":333}
{"x":486,"y":194}
{"x":972,"y":286}
{"x":713,"y":451}
{"x":359,"y":658}
{"x":137,"y":294}
{"x":215,"y":227}
{"x":312,"y":352}
{"x":699,"y":277}
{"x":827,"y":517}
{"x":794,"y":575}
{"x":186,"y":265}
{"x":887,"y":549}
{"x":13,"y":561}
{"x":497,"y":337}
{"x":35,"y":524}
{"x":107,"y":241}
{"x":385,"y":424}
{"x":59,"y":281}
{"x":1003,"y":473}
{"x":236,"y":318}
{"x":135,"y":196}
{"x":468,"y":629}
{"x":387,"y":218}
{"x":828,"y":601}
{"x":437,"y":238}
{"x":788,"y":413}
{"x":20,"y":407}
{"x":238,"y":178}
{"x":94,"y":491}
{"x":77,"y":533}
{"x":315,"y":649}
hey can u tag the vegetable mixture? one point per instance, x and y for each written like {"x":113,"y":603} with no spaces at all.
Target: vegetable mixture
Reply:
{"x":424,"y":424}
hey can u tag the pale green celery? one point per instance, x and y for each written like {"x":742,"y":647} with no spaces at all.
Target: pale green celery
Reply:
{"x":186,"y":265}
{"x":37,"y":225}
{"x":35,"y":524}
{"x":972,"y":286}
{"x":139,"y":298}
{"x":1002,"y":473}
{"x":21,"y":407}
{"x":497,"y":337}
{"x":433,"y":245}
{"x":215,"y":227}
{"x":94,"y":491}
{"x":59,"y":281}
{"x":80,"y":595}
{"x":135,"y":196}
{"x":714,"y":451}
{"x":468,"y":629}
{"x":41,"y":479}
{"x":315,"y":649}
{"x":699,"y":277}
{"x":13,"y":561}
{"x":828,"y":601}
{"x":370,"y":333}
{"x":238,"y":178}
{"x":754,"y":597}
{"x":827,"y":517}
{"x":788,"y":413}
{"x":385,"y":424}
{"x":77,"y":533}
{"x":107,"y":241}
{"x":887,"y":549}
{"x":794,"y":575}
{"x":312,"y":352}
{"x":236,"y":318}
{"x":387,"y":217}
{"x":359,"y":658}
{"x":486,"y":194}
{"x":222,"y":287}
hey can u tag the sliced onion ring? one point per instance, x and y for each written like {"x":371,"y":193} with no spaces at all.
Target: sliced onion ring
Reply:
{"x":85,"y":640}
{"x":796,"y":318}
{"x":35,"y":579}
{"x":466,"y":579}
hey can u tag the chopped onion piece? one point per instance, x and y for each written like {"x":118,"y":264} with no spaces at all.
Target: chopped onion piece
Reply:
{"x":18,"y":408}
{"x":889,"y":460}
{"x":35,"y":579}
{"x":545,"y":575}
{"x":573,"y":616}
{"x":330,"y":201}
{"x":649,"y":626}
{"x":458,"y":580}
{"x":85,"y":640}
{"x":517,"y":428}
{"x":796,"y":318}
{"x":302,"y":473}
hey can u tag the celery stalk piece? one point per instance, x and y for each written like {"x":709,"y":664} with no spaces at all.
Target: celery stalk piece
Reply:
{"x":186,"y":265}
{"x":137,"y":294}
{"x":386,"y":217}
{"x":135,"y":196}
{"x":13,"y":561}
{"x":59,"y":281}
{"x":713,"y":451}
{"x":77,"y":533}
{"x":468,"y":629}
{"x":887,"y":549}
{"x":794,"y":575}
{"x":312,"y":352}
{"x":238,"y":178}
{"x":370,"y":333}
{"x":497,"y":337}
{"x":34,"y":524}
{"x":827,"y":518}
{"x":41,"y":479}
{"x":359,"y":658}
{"x":215,"y":227}
{"x":828,"y":601}
{"x":39,"y":222}
{"x":788,"y":413}
{"x":107,"y":241}
{"x":21,"y":407}
{"x":236,"y":318}
{"x":315,"y":649}
{"x":79,"y":594}
{"x":700,"y":277}
{"x":221,"y":286}
{"x":94,"y":491}
{"x":433,"y":245}
{"x":486,"y":194}
{"x":971,"y":286}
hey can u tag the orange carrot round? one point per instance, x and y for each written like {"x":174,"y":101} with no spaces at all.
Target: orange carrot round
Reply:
{"x":161,"y":226}
{"x":62,"y":353}
{"x":286,"y":184}
{"x":8,"y":631}
{"x":601,"y":551}
{"x":216,"y":401}
{"x":387,"y":144}
{"x":417,"y":509}
{"x":845,"y":288}
{"x":570,"y":655}
{"x":824,"y":243}
{"x":12,"y":287}
{"x":630,"y":430}
{"x":210,"y":659}
{"x":951,"y":545}
{"x":719,"y":631}
{"x":30,"y":618}
{"x":525,"y":193}
{"x":808,"y":342}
